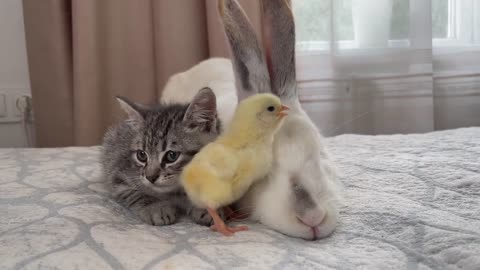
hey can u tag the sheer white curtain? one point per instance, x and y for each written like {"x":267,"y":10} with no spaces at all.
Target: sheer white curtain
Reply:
{"x":389,"y":66}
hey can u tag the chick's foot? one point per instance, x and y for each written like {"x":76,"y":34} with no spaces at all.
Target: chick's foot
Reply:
{"x":221,"y":227}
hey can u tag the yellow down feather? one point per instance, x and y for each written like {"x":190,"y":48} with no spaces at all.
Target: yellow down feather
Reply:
{"x":224,"y":169}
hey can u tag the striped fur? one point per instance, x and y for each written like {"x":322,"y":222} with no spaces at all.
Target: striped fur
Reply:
{"x":156,"y":130}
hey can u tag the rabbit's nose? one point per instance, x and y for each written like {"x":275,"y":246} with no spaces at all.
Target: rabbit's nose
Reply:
{"x":312,"y":218}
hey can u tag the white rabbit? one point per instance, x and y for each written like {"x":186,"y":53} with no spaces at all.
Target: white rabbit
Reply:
{"x":301,"y":196}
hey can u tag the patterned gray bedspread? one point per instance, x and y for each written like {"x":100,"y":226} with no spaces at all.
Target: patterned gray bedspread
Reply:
{"x":412,"y":202}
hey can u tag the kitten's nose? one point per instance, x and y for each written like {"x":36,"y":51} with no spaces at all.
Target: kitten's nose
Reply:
{"x":153,"y":177}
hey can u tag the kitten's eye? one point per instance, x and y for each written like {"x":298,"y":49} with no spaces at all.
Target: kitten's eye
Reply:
{"x":271,"y":108}
{"x":171,"y":156}
{"x":142,"y":156}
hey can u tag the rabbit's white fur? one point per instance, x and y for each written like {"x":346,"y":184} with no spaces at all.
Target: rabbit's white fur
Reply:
{"x":214,"y":73}
{"x":299,"y":152}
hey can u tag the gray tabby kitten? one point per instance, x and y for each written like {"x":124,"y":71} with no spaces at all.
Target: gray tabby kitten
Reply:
{"x":144,"y":155}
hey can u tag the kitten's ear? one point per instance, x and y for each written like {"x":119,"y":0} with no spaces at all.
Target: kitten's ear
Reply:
{"x":202,"y":111}
{"x":133,"y":110}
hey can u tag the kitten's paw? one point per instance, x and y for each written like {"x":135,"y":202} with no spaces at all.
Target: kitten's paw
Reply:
{"x":201,"y":216}
{"x":159,"y":215}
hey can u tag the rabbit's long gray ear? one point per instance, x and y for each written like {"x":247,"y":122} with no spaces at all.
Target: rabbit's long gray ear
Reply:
{"x":278,"y":29}
{"x":249,"y":63}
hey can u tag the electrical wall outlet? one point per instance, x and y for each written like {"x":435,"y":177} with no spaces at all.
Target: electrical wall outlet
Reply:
{"x":12,"y":104}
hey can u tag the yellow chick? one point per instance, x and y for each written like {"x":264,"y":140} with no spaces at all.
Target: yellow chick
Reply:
{"x":224,"y":170}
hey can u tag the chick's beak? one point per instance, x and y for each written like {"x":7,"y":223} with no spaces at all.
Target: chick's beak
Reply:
{"x":282,"y":112}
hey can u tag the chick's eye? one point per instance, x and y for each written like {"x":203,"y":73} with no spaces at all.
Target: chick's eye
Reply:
{"x":271,"y":108}
{"x":142,"y":156}
{"x":171,"y":156}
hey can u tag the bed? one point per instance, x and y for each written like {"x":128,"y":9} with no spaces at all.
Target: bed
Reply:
{"x":411,"y":202}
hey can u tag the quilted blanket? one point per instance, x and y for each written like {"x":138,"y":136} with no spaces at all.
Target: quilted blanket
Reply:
{"x":411,"y":202}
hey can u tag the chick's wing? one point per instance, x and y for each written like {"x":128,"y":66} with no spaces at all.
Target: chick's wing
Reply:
{"x":222,"y":160}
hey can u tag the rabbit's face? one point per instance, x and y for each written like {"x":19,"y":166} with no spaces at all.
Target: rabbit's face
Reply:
{"x":306,"y":182}
{"x":311,"y":210}
{"x":311,"y":203}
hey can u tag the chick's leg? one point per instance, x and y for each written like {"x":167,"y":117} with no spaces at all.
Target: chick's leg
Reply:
{"x":221,"y":227}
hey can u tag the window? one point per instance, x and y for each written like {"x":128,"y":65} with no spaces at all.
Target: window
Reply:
{"x":440,"y":19}
{"x":350,"y":25}
{"x":455,"y":23}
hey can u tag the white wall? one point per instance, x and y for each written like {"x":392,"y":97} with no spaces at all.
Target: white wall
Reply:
{"x":14,"y":79}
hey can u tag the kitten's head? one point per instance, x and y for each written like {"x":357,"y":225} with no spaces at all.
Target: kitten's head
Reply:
{"x":149,"y":149}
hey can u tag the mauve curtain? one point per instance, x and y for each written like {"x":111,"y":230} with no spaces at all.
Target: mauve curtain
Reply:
{"x":82,"y":53}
